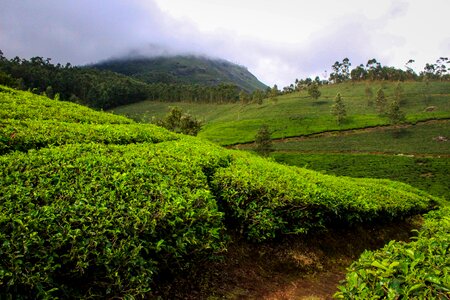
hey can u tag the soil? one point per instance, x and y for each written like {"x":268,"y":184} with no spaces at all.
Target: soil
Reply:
{"x":307,"y":267}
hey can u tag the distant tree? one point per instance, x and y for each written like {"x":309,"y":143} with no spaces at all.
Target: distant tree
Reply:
{"x":369,"y":94}
{"x":394,"y":114}
{"x":440,"y":67}
{"x":274,"y":92}
{"x":243,"y":97}
{"x":49,"y":92}
{"x":313,"y":91}
{"x":410,"y":74}
{"x":358,"y":73}
{"x":381,"y":101}
{"x":178,"y":121}
{"x":263,"y":141}
{"x":398,"y":92}
{"x":426,"y":92}
{"x":338,"y":109}
{"x":258,"y":96}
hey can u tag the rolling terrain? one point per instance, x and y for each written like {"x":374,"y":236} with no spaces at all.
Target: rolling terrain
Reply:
{"x":95,"y":204}
{"x":297,"y":114}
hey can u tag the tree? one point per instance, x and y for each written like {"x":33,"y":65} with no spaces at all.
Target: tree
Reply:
{"x":258,"y":96}
{"x":263,"y":141}
{"x":313,"y":91}
{"x":398,"y":92}
{"x":274,"y":92}
{"x":381,"y":101}
{"x":395,"y":115}
{"x":369,"y":94}
{"x":178,"y":121}
{"x":338,"y":109}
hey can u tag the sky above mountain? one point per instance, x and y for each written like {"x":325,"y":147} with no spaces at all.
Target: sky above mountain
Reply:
{"x":277,"y":40}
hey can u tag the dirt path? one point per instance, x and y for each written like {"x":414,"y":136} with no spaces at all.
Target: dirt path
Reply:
{"x":308,"y":267}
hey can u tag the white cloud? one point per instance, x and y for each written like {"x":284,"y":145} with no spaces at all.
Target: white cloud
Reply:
{"x":277,"y":40}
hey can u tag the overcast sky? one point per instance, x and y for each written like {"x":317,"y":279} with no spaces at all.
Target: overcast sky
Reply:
{"x":277,"y":40}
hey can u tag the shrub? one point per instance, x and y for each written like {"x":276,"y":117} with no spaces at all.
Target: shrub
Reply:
{"x":267,"y":199}
{"x":91,"y":220}
{"x":415,"y":270}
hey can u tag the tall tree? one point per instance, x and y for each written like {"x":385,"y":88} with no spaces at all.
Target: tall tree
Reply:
{"x":381,"y":101}
{"x":369,"y":94}
{"x":395,"y":115}
{"x":263,"y":141}
{"x":338,"y":109}
{"x":313,"y":91}
{"x":398,"y":92}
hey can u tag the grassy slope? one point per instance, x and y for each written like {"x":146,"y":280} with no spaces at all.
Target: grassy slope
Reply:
{"x":417,"y":139}
{"x":297,"y":114}
{"x":161,"y":192}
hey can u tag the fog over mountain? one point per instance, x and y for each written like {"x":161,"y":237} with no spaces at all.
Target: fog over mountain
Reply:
{"x":277,"y":40}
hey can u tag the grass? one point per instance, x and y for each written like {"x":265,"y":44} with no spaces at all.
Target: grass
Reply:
{"x":428,"y":174}
{"x":417,"y":139}
{"x":297,"y":114}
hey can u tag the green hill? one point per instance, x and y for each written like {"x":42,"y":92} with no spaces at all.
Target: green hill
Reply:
{"x":184,"y":70}
{"x":95,"y":205}
{"x":297,"y":114}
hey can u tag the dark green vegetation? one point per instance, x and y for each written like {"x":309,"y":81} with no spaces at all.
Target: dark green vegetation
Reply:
{"x":430,"y":174}
{"x":187,"y":70}
{"x":415,"y":270}
{"x":104,"y":89}
{"x":92,"y":218}
{"x":297,"y":114}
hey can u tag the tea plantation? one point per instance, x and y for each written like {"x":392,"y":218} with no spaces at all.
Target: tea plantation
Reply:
{"x":93,"y":205}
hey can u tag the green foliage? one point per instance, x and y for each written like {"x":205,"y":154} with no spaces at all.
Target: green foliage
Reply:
{"x":267,"y":199}
{"x":89,"y":220}
{"x":369,"y":94}
{"x":313,"y":91}
{"x":380,"y":101}
{"x":85,"y":220}
{"x":426,"y":173}
{"x":178,"y":121}
{"x":394,"y":113}
{"x":298,"y":114}
{"x":338,"y":109}
{"x":23,"y":135}
{"x":22,"y":105}
{"x":263,"y":141}
{"x":185,"y":70}
{"x":415,"y":270}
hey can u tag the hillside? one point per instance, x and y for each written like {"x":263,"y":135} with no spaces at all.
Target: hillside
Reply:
{"x":93,"y":204}
{"x":297,"y":114}
{"x":184,"y":70}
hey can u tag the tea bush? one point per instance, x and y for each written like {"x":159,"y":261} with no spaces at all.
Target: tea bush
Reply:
{"x":266,"y":198}
{"x":23,"y":135}
{"x":92,"y":220}
{"x":106,"y":205}
{"x":22,"y":105}
{"x":416,"y":270}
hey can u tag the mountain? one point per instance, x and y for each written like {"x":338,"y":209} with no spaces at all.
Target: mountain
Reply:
{"x":183,"y":69}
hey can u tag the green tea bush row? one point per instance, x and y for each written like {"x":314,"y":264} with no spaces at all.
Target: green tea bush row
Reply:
{"x":267,"y":199}
{"x":22,"y":105}
{"x":415,"y":270}
{"x":100,"y":221}
{"x":24,"y":135}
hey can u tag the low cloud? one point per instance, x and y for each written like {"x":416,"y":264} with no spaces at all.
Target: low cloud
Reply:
{"x":87,"y":31}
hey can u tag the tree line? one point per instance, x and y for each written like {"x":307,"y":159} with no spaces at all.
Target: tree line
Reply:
{"x":373,"y":71}
{"x":103,"y":89}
